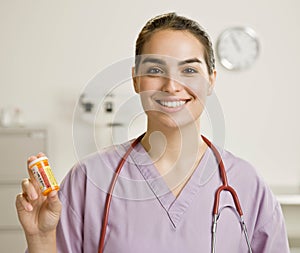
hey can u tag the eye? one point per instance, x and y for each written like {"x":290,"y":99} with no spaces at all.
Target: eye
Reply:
{"x":154,"y":71}
{"x":190,"y":70}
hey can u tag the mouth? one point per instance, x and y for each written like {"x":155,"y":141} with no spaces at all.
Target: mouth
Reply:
{"x":172,"y":103}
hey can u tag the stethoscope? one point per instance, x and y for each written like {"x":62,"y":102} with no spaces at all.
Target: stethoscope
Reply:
{"x":216,"y":214}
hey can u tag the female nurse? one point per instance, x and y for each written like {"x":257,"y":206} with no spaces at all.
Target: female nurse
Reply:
{"x":163,"y":198}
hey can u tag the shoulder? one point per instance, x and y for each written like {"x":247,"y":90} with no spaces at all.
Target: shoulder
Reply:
{"x":105,"y":157}
{"x":254,"y":193}
{"x":82,"y":192}
{"x":89,"y":176}
{"x":242,"y":174}
{"x":93,"y":167}
{"x":234,"y":163}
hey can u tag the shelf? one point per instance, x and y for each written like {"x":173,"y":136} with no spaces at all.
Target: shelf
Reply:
{"x":289,"y":199}
{"x":287,"y":195}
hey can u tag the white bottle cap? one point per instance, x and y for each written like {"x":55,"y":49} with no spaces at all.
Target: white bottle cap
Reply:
{"x":37,"y":160}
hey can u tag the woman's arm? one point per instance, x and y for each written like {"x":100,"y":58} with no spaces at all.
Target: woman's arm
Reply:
{"x":38,"y":215}
{"x":42,"y":243}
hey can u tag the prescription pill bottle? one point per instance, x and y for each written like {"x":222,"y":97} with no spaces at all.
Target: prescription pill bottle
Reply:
{"x":43,"y":174}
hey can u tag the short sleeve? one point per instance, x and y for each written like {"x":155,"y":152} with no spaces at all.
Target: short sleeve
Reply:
{"x":272,"y":236}
{"x":69,"y":233}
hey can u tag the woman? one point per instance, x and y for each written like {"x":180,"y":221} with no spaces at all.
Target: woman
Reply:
{"x":163,"y":198}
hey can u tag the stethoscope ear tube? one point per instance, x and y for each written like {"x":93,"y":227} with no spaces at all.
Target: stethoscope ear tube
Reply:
{"x":110,"y":192}
{"x":234,"y":197}
{"x":214,"y":232}
{"x":222,"y":170}
{"x":244,"y":228}
{"x":224,"y":187}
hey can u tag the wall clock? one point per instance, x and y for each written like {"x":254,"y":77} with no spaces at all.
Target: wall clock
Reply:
{"x":237,"y":48}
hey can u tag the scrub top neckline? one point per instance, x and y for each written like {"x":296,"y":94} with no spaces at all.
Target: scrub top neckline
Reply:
{"x":175,"y":207}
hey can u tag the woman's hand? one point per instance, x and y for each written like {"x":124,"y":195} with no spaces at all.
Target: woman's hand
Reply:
{"x":38,"y":214}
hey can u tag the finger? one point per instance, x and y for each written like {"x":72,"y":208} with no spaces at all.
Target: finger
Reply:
{"x":29,"y":189}
{"x":22,"y":203}
{"x":40,"y":154}
{"x":30,"y":159}
{"x":54,"y":202}
{"x":31,"y":175}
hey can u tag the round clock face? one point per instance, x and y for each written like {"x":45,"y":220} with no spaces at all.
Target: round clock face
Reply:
{"x":237,"y":48}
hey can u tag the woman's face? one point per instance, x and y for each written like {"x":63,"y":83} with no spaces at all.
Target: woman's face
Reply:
{"x":172,"y":78}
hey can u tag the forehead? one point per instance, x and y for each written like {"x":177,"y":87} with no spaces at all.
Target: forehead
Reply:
{"x":174,"y":43}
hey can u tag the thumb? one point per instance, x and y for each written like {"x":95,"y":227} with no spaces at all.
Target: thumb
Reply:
{"x":54,"y":203}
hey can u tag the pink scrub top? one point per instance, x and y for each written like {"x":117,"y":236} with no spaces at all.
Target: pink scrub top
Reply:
{"x":146,"y":217}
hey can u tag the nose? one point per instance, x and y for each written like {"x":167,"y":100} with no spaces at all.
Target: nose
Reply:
{"x":171,"y":85}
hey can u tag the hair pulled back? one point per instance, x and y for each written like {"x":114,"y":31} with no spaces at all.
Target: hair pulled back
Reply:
{"x":174,"y":22}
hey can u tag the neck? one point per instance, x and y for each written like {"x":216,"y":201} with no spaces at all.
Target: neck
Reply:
{"x":169,"y":143}
{"x":175,"y":153}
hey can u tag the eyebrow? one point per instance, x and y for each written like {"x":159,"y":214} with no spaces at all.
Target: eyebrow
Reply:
{"x":162,"y":62}
{"x":192,"y":60}
{"x":154,"y":60}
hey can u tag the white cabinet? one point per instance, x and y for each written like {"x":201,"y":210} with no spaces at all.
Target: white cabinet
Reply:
{"x":289,"y":198}
{"x":291,"y":213}
{"x":16,"y":145}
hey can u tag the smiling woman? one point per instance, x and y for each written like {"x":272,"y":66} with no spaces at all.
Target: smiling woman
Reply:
{"x":173,"y":81}
{"x":170,"y":166}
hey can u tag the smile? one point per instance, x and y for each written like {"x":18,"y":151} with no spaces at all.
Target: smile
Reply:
{"x":172,"y":104}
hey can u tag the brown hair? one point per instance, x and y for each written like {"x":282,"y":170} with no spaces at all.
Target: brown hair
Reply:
{"x":174,"y":22}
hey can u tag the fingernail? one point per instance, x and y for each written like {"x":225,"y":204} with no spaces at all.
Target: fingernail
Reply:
{"x":33,"y":196}
{"x":40,"y":154}
{"x":31,"y":158}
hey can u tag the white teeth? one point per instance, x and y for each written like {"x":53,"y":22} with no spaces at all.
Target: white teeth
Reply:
{"x":172,"y":104}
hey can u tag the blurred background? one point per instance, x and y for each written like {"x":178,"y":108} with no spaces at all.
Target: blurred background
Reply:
{"x":51,"y":50}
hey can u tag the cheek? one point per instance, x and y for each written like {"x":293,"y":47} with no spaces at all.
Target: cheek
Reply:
{"x":148,"y":83}
{"x":146,"y":99}
{"x":198,"y":88}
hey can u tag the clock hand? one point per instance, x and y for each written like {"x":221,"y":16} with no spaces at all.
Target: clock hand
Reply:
{"x":235,"y":43}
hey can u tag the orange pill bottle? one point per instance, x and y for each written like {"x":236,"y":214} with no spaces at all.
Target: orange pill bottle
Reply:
{"x":43,"y":174}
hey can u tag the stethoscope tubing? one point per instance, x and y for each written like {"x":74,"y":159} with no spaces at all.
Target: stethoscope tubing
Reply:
{"x":110,"y":192}
{"x":224,"y":187}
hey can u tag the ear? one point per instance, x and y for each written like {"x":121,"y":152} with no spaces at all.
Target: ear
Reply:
{"x":212,"y":81}
{"x":135,"y":80}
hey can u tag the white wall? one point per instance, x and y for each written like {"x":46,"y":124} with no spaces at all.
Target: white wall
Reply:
{"x":50,"y":49}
